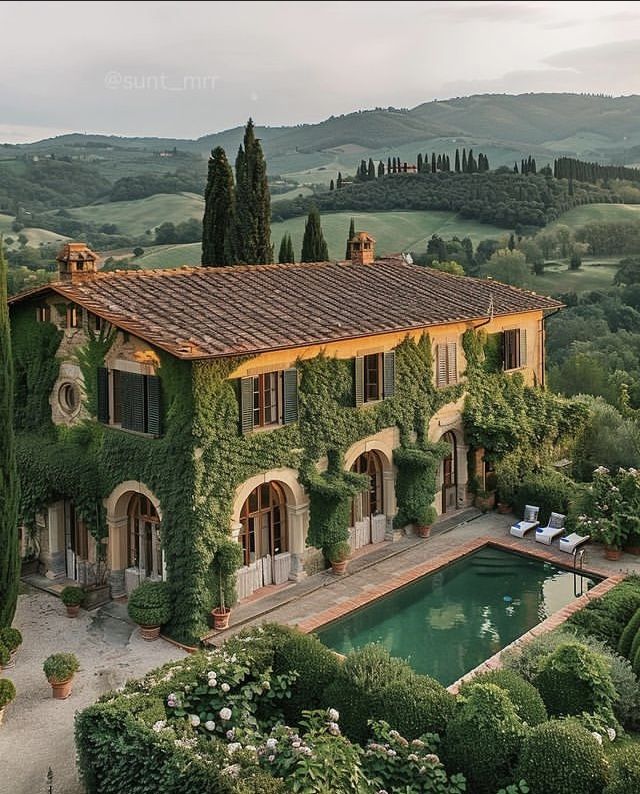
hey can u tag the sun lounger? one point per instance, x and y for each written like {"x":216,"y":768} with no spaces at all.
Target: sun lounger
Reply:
{"x":554,"y":528}
{"x":529,"y":521}
{"x":570,"y":543}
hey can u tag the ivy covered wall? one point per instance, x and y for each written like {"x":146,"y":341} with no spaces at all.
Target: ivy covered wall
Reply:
{"x":196,"y":466}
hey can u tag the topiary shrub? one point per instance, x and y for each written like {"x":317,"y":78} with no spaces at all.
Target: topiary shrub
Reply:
{"x":574,"y":679}
{"x":561,"y":756}
{"x":10,"y":638}
{"x":60,"y":667}
{"x":415,"y":706}
{"x":5,"y":656}
{"x":624,"y":777}
{"x":483,"y":739}
{"x":524,"y":696}
{"x":149,"y":604}
{"x":7,"y":692}
{"x":72,"y":596}
{"x":629,"y":634}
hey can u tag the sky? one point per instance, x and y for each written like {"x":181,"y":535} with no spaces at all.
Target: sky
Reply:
{"x":182,"y":69}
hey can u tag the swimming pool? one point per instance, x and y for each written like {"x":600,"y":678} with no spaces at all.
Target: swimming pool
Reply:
{"x":448,"y":622}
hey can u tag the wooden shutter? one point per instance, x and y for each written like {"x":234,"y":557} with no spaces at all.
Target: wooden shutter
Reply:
{"x":441,"y":365}
{"x":103,"y":395}
{"x":389,"y":374}
{"x":523,"y":347}
{"x":154,"y":407}
{"x":246,"y":405}
{"x":452,"y":363}
{"x":358,"y":379}
{"x":290,"y":389}
{"x":133,"y":401}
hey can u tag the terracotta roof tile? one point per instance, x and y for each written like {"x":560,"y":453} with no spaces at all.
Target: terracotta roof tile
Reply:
{"x":210,"y":312}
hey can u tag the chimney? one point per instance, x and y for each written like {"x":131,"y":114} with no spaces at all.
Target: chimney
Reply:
{"x":76,"y":262}
{"x":362,"y":249}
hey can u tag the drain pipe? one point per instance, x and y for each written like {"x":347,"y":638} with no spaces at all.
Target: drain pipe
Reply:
{"x":543,"y":346}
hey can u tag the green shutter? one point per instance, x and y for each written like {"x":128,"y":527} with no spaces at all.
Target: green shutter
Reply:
{"x":358,"y":364}
{"x":523,"y":347}
{"x":389,"y":369}
{"x":126,"y":405}
{"x":246,"y":405}
{"x":290,"y":388}
{"x":133,"y":401}
{"x":103,"y":395}
{"x":154,"y":407}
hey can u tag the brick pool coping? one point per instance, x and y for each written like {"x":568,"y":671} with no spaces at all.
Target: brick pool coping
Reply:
{"x":453,"y":555}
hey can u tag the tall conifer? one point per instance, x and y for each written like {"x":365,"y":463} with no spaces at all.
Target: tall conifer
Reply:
{"x":352,"y":231}
{"x":218,"y":232}
{"x":457,"y":162}
{"x":464,"y":161}
{"x":253,"y":202}
{"x":339,"y":180}
{"x":419,"y":163}
{"x":286,"y":254}
{"x":433,"y":162}
{"x":314,"y":246}
{"x":380,"y":169}
{"x":9,"y":484}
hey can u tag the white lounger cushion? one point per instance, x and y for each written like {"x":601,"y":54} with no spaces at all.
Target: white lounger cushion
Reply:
{"x":554,"y":528}
{"x":572,"y":541}
{"x":529,"y":522}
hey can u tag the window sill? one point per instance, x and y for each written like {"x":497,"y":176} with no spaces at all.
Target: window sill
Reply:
{"x":265,"y":428}
{"x":131,"y":432}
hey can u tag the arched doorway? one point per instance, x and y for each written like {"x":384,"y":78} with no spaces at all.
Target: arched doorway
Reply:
{"x":144,"y":545}
{"x":450,"y":475}
{"x":368,"y":523}
{"x":264,"y":538}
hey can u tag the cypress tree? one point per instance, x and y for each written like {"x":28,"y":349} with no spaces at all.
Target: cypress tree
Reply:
{"x":9,"y":483}
{"x":380,"y":169}
{"x":433,"y":162}
{"x":439,"y":163}
{"x":515,"y":168}
{"x":447,"y":163}
{"x":512,"y":242}
{"x":419,"y":163}
{"x":457,"y":162}
{"x":253,"y":203}
{"x":339,"y":180}
{"x":388,"y":165}
{"x":464,"y":161}
{"x":331,"y":185}
{"x":472,"y":166}
{"x":218,"y":230}
{"x":533,"y":165}
{"x":314,"y":246}
{"x":286,"y":254}
{"x":352,"y":231}
{"x":371,"y":169}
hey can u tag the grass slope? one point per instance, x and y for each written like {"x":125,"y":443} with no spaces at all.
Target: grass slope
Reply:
{"x":35,"y":237}
{"x":612,"y":213}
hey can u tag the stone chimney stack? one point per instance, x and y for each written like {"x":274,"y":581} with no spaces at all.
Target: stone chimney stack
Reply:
{"x":76,"y":262}
{"x":362,"y":249}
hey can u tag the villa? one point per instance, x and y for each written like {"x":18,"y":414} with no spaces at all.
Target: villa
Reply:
{"x":157,"y":410}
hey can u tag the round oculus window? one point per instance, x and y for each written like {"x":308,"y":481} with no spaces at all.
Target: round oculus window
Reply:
{"x":69,"y":398}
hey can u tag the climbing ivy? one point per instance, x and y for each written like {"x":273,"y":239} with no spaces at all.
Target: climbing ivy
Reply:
{"x":90,"y":357}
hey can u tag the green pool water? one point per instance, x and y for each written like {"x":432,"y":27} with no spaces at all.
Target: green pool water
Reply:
{"x":448,"y":622}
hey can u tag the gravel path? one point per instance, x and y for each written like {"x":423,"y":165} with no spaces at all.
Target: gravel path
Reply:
{"x":37,"y":732}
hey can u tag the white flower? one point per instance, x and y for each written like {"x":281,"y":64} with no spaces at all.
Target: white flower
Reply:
{"x":250,"y":748}
{"x":233,"y":658}
{"x":225,"y":687}
{"x":172,"y":700}
{"x":159,"y":725}
{"x":271,"y":744}
{"x":296,"y":745}
{"x":334,"y":715}
{"x":234,"y":747}
{"x":611,"y":734}
{"x":210,"y":725}
{"x":272,"y":758}
{"x":334,"y":728}
{"x":233,"y":770}
{"x":212,"y":674}
{"x":194,"y":720}
{"x":225,"y":714}
{"x":231,"y":734}
{"x":432,"y":758}
{"x":266,"y":685}
{"x":391,"y":753}
{"x":597,"y":737}
{"x":212,"y":682}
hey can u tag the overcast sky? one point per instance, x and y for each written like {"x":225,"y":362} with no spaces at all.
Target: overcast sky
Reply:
{"x":180,"y":69}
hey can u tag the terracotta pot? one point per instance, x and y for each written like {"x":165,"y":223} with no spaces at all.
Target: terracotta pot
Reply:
{"x":73,"y":610}
{"x":61,"y":689}
{"x":11,"y":662}
{"x":221,"y":618}
{"x":612,"y":554}
{"x":424,"y":531}
{"x":339,"y":567}
{"x":149,"y":633}
{"x":1,"y":715}
{"x":504,"y":508}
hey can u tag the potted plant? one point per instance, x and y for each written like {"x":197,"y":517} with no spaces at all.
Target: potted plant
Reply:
{"x":59,"y":669}
{"x":72,"y":598}
{"x":338,"y":555}
{"x":485,"y":500}
{"x":425,"y":520}
{"x":150,"y":606}
{"x":12,"y":640}
{"x":98,"y":592}
{"x":5,"y":656}
{"x":226,"y":561}
{"x":7,"y":694}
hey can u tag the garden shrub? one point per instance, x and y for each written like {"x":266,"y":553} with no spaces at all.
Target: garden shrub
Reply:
{"x":483,"y":739}
{"x":415,"y":706}
{"x":574,"y":679}
{"x":624,"y":776}
{"x":607,"y":617}
{"x":149,"y":604}
{"x":561,"y":756}
{"x":629,"y":634}
{"x":524,"y":696}
{"x":550,"y":490}
{"x":11,"y":638}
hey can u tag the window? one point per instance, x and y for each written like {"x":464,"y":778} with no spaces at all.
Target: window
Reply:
{"x":446,"y":364}
{"x":264,"y":526}
{"x":375,"y":376}
{"x":43,"y":314}
{"x":69,"y":398}
{"x":369,"y":503}
{"x":94,"y":322}
{"x":144,"y":547}
{"x":74,"y":316}
{"x":268,"y":400}
{"x":130,"y":400}
{"x":514,"y":348}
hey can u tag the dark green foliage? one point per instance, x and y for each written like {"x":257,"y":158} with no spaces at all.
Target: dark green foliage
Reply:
{"x":416,"y":481}
{"x":330,"y":495}
{"x":7,"y":692}
{"x":573,"y":679}
{"x":570,"y":168}
{"x":253,"y":205}
{"x":483,"y":739}
{"x":629,"y":634}
{"x":561,"y":756}
{"x":607,"y":617}
{"x":72,"y":596}
{"x":286,"y":254}
{"x":352,"y":232}
{"x":414,"y":706}
{"x":624,"y":777}
{"x":226,"y":561}
{"x":60,"y":667}
{"x":635,"y":656}
{"x":314,"y":246}
{"x":524,"y":696}
{"x":149,"y":604}
{"x":219,"y":212}
{"x":9,"y":483}
{"x":549,"y":489}
{"x":10,"y":637}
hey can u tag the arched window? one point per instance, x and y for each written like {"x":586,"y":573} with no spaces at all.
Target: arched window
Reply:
{"x":143,"y":537}
{"x":369,"y":503}
{"x":264,"y":523}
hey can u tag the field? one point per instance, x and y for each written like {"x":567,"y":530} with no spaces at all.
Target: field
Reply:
{"x":591,"y":276}
{"x":612,"y":213}
{"x":35,"y":237}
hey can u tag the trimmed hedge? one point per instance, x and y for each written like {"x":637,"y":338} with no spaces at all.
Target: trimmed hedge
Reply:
{"x":562,"y":756}
{"x":549,"y":489}
{"x":483,"y":739}
{"x":625,"y":771}
{"x":629,"y":634}
{"x":607,"y":617}
{"x":524,"y":696}
{"x":415,"y":706}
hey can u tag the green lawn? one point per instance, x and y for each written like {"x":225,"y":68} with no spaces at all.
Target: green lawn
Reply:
{"x":35,"y":237}
{"x":578,"y":216}
{"x":558,"y":278}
